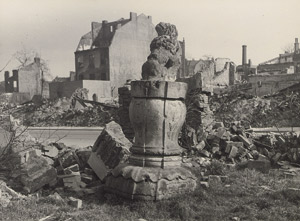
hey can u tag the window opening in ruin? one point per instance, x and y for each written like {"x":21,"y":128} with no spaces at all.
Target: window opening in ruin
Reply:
{"x":102,"y":59}
{"x":103,"y":76}
{"x":92,"y":77}
{"x":91,"y":60}
{"x":111,"y":28}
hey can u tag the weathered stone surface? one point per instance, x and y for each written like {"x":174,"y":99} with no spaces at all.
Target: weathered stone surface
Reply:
{"x":50,"y":151}
{"x":157,"y":124}
{"x":150,"y":183}
{"x":98,"y":166}
{"x":158,"y":89}
{"x":157,"y":113}
{"x":77,"y":203}
{"x":112,"y":145}
{"x":165,"y":57}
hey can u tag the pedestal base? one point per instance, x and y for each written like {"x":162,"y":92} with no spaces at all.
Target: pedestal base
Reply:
{"x":149,"y":183}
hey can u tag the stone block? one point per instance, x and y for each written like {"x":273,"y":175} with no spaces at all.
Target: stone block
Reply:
{"x":204,"y":185}
{"x":112,"y":145}
{"x":98,"y":166}
{"x":200,"y":146}
{"x":30,"y":171}
{"x":50,"y":151}
{"x":77,"y":203}
{"x":221,"y":132}
{"x":71,"y":169}
{"x":245,"y":140}
{"x":233,"y":152}
{"x":204,"y":153}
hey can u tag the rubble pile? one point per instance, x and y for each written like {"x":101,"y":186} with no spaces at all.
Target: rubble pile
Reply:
{"x":237,"y":146}
{"x":280,"y":110}
{"x":73,"y":171}
{"x":21,"y":163}
{"x":62,"y":113}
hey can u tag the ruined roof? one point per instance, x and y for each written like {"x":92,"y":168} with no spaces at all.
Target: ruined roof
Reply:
{"x":107,"y":32}
{"x":102,"y":34}
{"x":86,"y":40}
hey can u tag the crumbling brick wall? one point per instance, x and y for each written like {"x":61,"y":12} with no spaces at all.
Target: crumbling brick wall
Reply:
{"x":124,"y":101}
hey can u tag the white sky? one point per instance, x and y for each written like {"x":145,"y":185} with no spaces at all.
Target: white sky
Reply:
{"x":210,"y":27}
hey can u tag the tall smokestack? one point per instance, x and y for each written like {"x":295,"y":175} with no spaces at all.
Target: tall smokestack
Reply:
{"x":296,"y":45}
{"x":244,"y":55}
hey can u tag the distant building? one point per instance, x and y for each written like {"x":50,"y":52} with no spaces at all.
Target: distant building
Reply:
{"x":208,"y":74}
{"x":27,"y":80}
{"x":115,"y":51}
{"x":287,"y":63}
{"x":275,"y":74}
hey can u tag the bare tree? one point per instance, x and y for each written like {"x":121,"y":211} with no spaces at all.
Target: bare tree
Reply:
{"x":26,"y":56}
{"x":289,"y":48}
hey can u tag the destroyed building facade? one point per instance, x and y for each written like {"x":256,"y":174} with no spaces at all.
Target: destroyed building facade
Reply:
{"x":208,"y":74}
{"x":114,"y":51}
{"x":287,"y":63}
{"x":27,"y":81}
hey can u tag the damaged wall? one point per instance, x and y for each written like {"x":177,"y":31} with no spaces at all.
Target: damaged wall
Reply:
{"x":263,"y":85}
{"x":129,"y":49}
{"x":117,"y":51}
{"x":209,"y":74}
{"x":101,"y":89}
{"x":30,"y":78}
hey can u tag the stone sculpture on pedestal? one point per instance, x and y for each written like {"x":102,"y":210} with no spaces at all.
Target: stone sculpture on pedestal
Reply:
{"x":157,"y":113}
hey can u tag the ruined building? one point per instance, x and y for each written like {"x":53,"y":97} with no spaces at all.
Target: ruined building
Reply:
{"x":287,"y":63}
{"x":208,"y":74}
{"x":28,"y":81}
{"x":114,"y":51}
{"x":273,"y":75}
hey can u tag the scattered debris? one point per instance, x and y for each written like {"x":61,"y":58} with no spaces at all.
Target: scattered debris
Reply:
{"x":77,"y":203}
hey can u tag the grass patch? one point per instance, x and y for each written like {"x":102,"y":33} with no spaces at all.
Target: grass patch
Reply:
{"x":247,"y":194}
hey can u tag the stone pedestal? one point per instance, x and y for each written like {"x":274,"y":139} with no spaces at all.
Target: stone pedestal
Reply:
{"x":157,"y":113}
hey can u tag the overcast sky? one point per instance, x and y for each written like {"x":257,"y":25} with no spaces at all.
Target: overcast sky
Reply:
{"x":210,"y":27}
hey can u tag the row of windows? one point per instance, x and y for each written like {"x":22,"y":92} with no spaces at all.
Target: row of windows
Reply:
{"x":93,"y":77}
{"x":91,"y":60}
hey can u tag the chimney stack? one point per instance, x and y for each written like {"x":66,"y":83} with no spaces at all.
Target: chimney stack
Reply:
{"x":244,"y":55}
{"x":133,"y":16}
{"x":296,"y":45}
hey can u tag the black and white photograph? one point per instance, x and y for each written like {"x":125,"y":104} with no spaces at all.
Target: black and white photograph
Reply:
{"x":149,"y":110}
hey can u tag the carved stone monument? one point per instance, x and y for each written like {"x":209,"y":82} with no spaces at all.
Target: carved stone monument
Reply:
{"x":157,"y":113}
